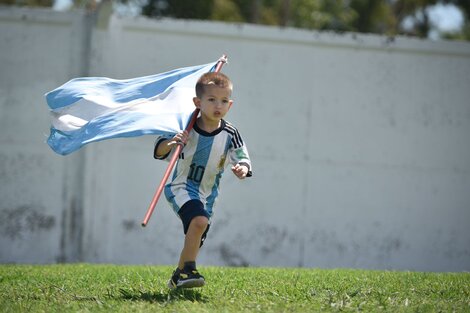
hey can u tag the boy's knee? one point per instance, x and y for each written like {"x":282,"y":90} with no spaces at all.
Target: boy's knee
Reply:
{"x":199,"y":223}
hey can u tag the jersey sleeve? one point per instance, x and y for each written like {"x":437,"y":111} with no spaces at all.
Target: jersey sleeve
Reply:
{"x":158,"y":141}
{"x":238,"y":153}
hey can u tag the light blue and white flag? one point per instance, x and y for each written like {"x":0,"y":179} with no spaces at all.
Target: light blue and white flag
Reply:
{"x":91,"y":109}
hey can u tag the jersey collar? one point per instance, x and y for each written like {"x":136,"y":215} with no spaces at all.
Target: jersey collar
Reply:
{"x":207,"y":134}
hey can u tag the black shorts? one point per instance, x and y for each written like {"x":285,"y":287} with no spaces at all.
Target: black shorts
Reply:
{"x":190,"y":210}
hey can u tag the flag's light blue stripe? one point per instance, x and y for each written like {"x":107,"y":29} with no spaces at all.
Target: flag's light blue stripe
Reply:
{"x":117,"y":124}
{"x":119,"y":91}
{"x":122,"y":122}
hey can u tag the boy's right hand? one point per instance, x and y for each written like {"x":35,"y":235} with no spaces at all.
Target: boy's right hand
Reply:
{"x":179,"y":138}
{"x":165,"y":146}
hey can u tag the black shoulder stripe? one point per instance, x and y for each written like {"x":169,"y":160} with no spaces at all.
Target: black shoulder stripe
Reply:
{"x":233,"y":140}
{"x":237,"y":140}
{"x":236,"y":133}
{"x":235,"y":144}
{"x":230,"y":129}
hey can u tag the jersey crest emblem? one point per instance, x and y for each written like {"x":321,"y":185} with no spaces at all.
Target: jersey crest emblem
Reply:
{"x":221,"y":164}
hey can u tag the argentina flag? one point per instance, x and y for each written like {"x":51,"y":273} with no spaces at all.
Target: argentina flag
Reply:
{"x":90,"y":109}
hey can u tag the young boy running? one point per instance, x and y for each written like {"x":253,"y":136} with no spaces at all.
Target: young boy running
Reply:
{"x":210,"y":146}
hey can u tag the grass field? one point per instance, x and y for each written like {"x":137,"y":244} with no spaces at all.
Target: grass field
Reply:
{"x":113,"y":288}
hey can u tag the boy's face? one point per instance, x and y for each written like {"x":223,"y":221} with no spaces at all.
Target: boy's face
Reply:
{"x":214,"y":103}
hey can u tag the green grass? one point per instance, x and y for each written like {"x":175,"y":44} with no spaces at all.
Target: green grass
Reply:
{"x":113,"y":288}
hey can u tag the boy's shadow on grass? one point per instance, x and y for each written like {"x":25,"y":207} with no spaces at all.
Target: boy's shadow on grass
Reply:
{"x":162,"y":296}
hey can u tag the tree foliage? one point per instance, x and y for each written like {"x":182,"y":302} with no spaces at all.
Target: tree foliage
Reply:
{"x":194,"y":9}
{"x":367,"y":16}
{"x":29,"y":3}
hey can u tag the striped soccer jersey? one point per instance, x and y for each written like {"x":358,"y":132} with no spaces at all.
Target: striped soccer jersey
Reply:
{"x":201,"y":165}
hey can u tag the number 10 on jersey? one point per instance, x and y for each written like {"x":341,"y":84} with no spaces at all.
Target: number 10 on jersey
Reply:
{"x":196,"y":172}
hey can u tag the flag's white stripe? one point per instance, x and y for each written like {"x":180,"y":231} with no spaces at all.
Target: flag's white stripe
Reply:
{"x":73,"y":117}
{"x":116,"y":124}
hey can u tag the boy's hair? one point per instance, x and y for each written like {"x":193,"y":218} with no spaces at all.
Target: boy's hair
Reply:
{"x":212,"y":78}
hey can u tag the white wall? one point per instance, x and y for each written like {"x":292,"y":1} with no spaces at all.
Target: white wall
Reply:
{"x":360,"y":147}
{"x":39,"y":49}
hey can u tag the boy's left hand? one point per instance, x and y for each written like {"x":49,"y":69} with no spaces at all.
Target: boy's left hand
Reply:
{"x":240,"y":171}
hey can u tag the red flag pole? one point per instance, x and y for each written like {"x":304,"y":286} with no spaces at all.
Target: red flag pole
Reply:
{"x":175,"y":156}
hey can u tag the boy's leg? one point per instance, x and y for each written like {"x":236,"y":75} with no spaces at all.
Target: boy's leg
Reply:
{"x":192,"y":241}
{"x":196,"y":225}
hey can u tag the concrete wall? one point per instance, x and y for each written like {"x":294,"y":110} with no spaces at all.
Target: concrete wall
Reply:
{"x":360,"y":147}
{"x":38,"y":190}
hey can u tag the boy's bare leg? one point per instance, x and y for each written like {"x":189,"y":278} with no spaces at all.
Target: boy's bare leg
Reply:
{"x":192,"y":241}
{"x":185,"y":275}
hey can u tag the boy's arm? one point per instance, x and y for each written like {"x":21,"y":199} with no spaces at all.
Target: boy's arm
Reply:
{"x":164,"y":146}
{"x":238,"y":155}
{"x":241,"y":164}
